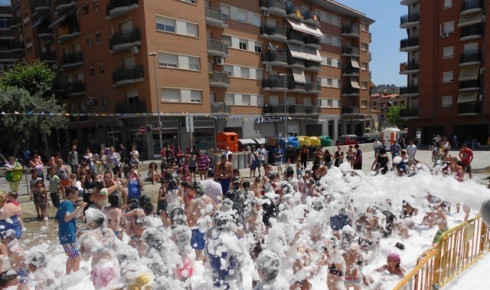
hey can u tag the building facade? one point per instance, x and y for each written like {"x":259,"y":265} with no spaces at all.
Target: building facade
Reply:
{"x":379,"y":104}
{"x":259,"y":68}
{"x":448,"y":51}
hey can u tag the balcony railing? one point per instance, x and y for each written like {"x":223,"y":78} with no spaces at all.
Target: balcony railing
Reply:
{"x":274,"y":83}
{"x":125,"y":108}
{"x":48,"y":56}
{"x":117,"y":8}
{"x":16,"y":45}
{"x":6,"y":34}
{"x":275,"y":4}
{"x":125,"y":37}
{"x":295,"y":36}
{"x":409,"y":42}
{"x":469,"y":84}
{"x":409,"y":66}
{"x":411,"y":112}
{"x":217,"y":46}
{"x":409,"y":18}
{"x":272,"y":56}
{"x":310,"y":17}
{"x":473,"y":30}
{"x":469,"y":108}
{"x":350,"y":29}
{"x":291,"y":109}
{"x":297,"y":62}
{"x":127,"y":74}
{"x":75,"y":88}
{"x":43,"y":4}
{"x":350,"y":110}
{"x":473,"y":56}
{"x":471,"y":4}
{"x":7,"y":56}
{"x":350,"y":50}
{"x":350,"y":91}
{"x":219,"y":78}
{"x":313,"y":87}
{"x":72,"y":59}
{"x":215,"y":15}
{"x":220,"y":108}
{"x":292,"y":85}
{"x":312,"y":65}
{"x":312,"y":41}
{"x":68,"y":31}
{"x":409,"y":90}
{"x":350,"y":70}
{"x":272,"y":30}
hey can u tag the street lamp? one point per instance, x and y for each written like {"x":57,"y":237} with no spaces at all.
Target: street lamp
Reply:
{"x":154,"y":54}
{"x":285,"y":77}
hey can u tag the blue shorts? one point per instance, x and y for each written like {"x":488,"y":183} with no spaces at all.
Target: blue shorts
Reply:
{"x":197,"y":239}
{"x":72,"y":250}
{"x":22,"y":276}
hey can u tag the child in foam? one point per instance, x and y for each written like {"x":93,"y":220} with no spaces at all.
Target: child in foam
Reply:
{"x":393,"y":265}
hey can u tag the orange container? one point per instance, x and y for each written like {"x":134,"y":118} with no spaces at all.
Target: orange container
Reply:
{"x":229,"y":139}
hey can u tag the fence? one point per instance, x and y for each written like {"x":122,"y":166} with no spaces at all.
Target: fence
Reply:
{"x":457,"y":250}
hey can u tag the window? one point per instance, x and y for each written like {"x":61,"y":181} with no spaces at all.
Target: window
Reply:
{"x":259,"y":74}
{"x":168,"y":60}
{"x":229,"y":99}
{"x":242,"y":15}
{"x":448,"y":4}
{"x":364,"y":27}
{"x":165,"y":24}
{"x":471,"y":47}
{"x":363,"y":85}
{"x":448,"y":27}
{"x":243,"y":44}
{"x":101,"y":68}
{"x":170,"y":95}
{"x":98,"y":37}
{"x":85,"y":9}
{"x":225,"y":10}
{"x":258,"y":47}
{"x":89,"y":41}
{"x":91,"y":71}
{"x":363,"y":104}
{"x":364,"y":65}
{"x":246,"y":100}
{"x":364,"y":46}
{"x":226,"y":39}
{"x":228,"y":69}
{"x":104,"y":100}
{"x":96,"y":7}
{"x":191,"y":29}
{"x":329,"y":82}
{"x":196,"y":96}
{"x":447,"y":101}
{"x":448,"y":52}
{"x":447,"y":76}
{"x":194,"y":63}
{"x":94,"y":102}
{"x":260,"y":101}
{"x":245,"y":72}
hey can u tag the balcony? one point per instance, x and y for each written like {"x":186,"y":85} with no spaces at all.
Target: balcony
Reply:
{"x":409,"y":113}
{"x":293,"y":11}
{"x":312,"y":42}
{"x":215,"y":18}
{"x":412,"y":90}
{"x":350,"y":92}
{"x":220,"y":108}
{"x":124,"y":40}
{"x":310,"y":17}
{"x":8,"y":56}
{"x":350,"y":110}
{"x":350,"y":30}
{"x":274,"y":7}
{"x":409,"y":68}
{"x":408,"y":2}
{"x":409,"y":44}
{"x":295,"y":37}
{"x":44,"y":32}
{"x":127,"y":75}
{"x":312,"y":66}
{"x":6,"y":35}
{"x":273,"y":33}
{"x":296,"y":87}
{"x":409,"y":20}
{"x":118,"y":8}
{"x":274,"y":85}
{"x":313,"y":88}
{"x":291,"y":109}
{"x":48,"y":57}
{"x":40,"y":6}
{"x":274,"y":58}
{"x":217,"y":48}
{"x":219,"y":79}
{"x":350,"y":51}
{"x":14,"y":4}
{"x":15,"y":23}
{"x":469,"y":85}
{"x":471,"y":6}
{"x":137,"y":107}
{"x":350,"y":71}
{"x":470,"y":58}
{"x":75,"y":89}
{"x":294,"y":62}
{"x":471,"y":108}
{"x":471,"y":32}
{"x":64,"y":5}
{"x":68,"y":31}
{"x":16,"y":46}
{"x":72,"y":60}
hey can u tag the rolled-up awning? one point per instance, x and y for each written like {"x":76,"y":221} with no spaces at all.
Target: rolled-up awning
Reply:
{"x":469,"y":73}
{"x":297,"y":51}
{"x":299,"y":75}
{"x":247,"y":141}
{"x":260,"y":141}
{"x":40,"y":19}
{"x":354,"y":82}
{"x":467,"y":97}
{"x":63,"y":17}
{"x":302,"y":27}
{"x":470,"y":19}
{"x":354,"y":62}
{"x":313,"y":54}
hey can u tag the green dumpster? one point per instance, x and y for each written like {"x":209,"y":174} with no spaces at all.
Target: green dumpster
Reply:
{"x":326,"y":141}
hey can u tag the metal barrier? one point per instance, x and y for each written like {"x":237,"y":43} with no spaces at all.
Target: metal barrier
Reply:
{"x":458,"y":249}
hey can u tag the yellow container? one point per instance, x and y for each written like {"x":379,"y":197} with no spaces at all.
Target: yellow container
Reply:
{"x":304,"y":140}
{"x":315,"y":141}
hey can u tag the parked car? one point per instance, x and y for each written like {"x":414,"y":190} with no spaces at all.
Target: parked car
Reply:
{"x":347,"y":140}
{"x":365,"y":139}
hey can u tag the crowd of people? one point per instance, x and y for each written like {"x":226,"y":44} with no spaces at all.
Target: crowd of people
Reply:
{"x":282,"y":225}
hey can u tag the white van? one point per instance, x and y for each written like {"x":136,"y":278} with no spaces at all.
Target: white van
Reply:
{"x":389,"y":135}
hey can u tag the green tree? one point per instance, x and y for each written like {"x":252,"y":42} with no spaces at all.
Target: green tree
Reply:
{"x":37,"y":78}
{"x":393,"y":116}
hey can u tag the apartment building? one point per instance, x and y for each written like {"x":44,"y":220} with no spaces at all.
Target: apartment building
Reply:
{"x":447,"y":56}
{"x":258,"y":68}
{"x":11,"y":48}
{"x":379,"y":104}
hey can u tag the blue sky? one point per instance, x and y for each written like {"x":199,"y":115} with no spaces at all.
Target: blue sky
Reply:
{"x":386,"y":34}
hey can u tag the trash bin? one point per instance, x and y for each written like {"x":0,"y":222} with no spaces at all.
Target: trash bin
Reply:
{"x":239,"y":157}
{"x":326,"y":141}
{"x":315,"y":141}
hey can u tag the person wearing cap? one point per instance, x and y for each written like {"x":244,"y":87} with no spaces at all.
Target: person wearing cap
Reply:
{"x":197,"y":211}
{"x":393,"y":265}
{"x":224,"y":172}
{"x":213,"y":188}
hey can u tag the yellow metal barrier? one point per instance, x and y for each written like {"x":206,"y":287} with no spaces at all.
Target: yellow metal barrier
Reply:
{"x":458,"y":249}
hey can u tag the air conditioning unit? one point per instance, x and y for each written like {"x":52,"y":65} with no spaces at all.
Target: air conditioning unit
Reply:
{"x":268,"y":67}
{"x":444,"y":34}
{"x":220,"y":60}
{"x":265,"y":13}
{"x":135,"y":49}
